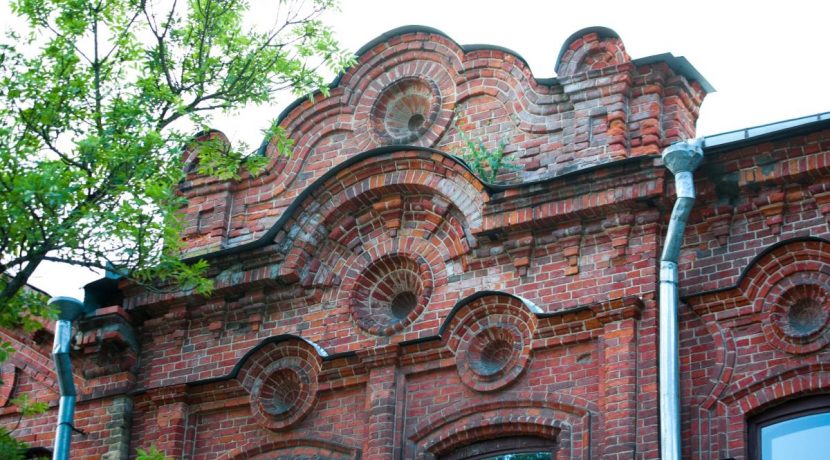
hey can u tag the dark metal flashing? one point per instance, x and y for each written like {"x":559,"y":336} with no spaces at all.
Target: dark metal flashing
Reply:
{"x":420,"y":340}
{"x":680,"y":65}
{"x":268,"y":236}
{"x":386,"y":36}
{"x":531,"y":307}
{"x":748,"y":267}
{"x":415,"y":28}
{"x":733,"y":140}
{"x":270,"y":340}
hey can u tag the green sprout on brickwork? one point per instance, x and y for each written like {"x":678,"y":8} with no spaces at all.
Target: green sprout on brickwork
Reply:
{"x":151,"y":454}
{"x":485,"y":163}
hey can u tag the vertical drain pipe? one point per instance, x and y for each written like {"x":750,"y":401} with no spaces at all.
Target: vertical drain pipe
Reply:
{"x":68,"y":310}
{"x":681,"y":159}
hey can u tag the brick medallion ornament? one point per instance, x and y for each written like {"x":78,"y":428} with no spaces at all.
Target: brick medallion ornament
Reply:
{"x":799,"y":310}
{"x":405,"y":110}
{"x":283,"y":385}
{"x":391,"y":293}
{"x":492,"y":354}
{"x":491,"y":336}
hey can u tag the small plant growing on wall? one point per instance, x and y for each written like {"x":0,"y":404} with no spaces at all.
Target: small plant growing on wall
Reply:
{"x":485,"y":163}
{"x":150,"y":454}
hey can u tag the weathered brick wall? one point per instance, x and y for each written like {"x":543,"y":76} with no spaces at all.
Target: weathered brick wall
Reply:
{"x":756,"y":266}
{"x":602,"y":107}
{"x":377,"y":300}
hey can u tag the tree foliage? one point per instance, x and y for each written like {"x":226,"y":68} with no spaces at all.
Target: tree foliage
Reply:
{"x":98,"y":98}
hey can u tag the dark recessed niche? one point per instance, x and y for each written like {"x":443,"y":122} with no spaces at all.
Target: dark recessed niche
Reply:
{"x":491,"y":358}
{"x":416,"y":121}
{"x":805,"y":316}
{"x":403,"y":304}
{"x":280,"y":391}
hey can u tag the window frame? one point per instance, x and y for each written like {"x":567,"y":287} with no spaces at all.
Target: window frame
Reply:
{"x":789,"y":410}
{"x":502,"y":446}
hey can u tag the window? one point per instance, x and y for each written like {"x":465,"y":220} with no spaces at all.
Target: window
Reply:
{"x":516,"y":448}
{"x":795,"y":430}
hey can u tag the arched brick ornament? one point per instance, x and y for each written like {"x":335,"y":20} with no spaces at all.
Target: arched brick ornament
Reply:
{"x":282,"y":381}
{"x":491,"y":337}
{"x":798,"y":313}
{"x":8,"y":375}
{"x":296,"y":448}
{"x":391,"y":293}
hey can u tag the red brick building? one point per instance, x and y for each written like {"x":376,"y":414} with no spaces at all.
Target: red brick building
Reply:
{"x":376,"y":299}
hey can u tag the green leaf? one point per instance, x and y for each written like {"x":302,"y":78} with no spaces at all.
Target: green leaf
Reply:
{"x":93,"y":124}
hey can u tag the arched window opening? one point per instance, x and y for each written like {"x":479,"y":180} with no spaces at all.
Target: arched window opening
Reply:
{"x":795,"y":430}
{"x":514,"y":448}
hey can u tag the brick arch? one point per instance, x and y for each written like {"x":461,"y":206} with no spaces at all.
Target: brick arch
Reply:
{"x":781,"y":260}
{"x":483,"y":303}
{"x":379,"y":187}
{"x":296,"y":447}
{"x":773,"y":389}
{"x":349,"y":112}
{"x":36,"y":365}
{"x":565,"y":419}
{"x":351,"y":96}
{"x":742,"y":320}
{"x":345,"y":111}
{"x":709,"y":346}
{"x":8,"y":377}
{"x":591,"y":49}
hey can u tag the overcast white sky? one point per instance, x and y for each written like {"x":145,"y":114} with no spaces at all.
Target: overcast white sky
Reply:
{"x":768,"y":61}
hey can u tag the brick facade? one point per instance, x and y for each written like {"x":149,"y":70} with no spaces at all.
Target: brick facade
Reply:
{"x":376,"y":299}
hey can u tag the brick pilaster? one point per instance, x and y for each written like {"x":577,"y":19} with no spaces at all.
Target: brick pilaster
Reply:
{"x":380,"y":407}
{"x":619,"y":397}
{"x":120,"y":427}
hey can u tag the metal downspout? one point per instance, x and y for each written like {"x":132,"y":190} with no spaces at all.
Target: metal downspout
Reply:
{"x":69,"y":309}
{"x":681,"y":159}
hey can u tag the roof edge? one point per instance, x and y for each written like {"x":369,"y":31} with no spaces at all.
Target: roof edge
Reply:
{"x":762,"y":133}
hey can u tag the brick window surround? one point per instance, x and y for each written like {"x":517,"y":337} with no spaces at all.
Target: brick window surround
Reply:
{"x":801,"y":407}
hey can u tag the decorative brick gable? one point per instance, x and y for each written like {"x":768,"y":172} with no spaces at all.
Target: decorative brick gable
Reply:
{"x":374,"y":298}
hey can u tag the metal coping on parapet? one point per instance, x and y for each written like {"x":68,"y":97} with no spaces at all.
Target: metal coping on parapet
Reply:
{"x":678,"y":64}
{"x":751,"y":135}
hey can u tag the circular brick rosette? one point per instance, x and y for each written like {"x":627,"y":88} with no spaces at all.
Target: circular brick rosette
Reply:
{"x":492,"y":357}
{"x":405,"y":110}
{"x":492,"y":340}
{"x":799,"y":313}
{"x":282,"y":382}
{"x":391,"y":293}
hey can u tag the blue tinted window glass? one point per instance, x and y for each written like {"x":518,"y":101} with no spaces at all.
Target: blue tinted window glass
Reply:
{"x":525,"y":456}
{"x":803,"y":438}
